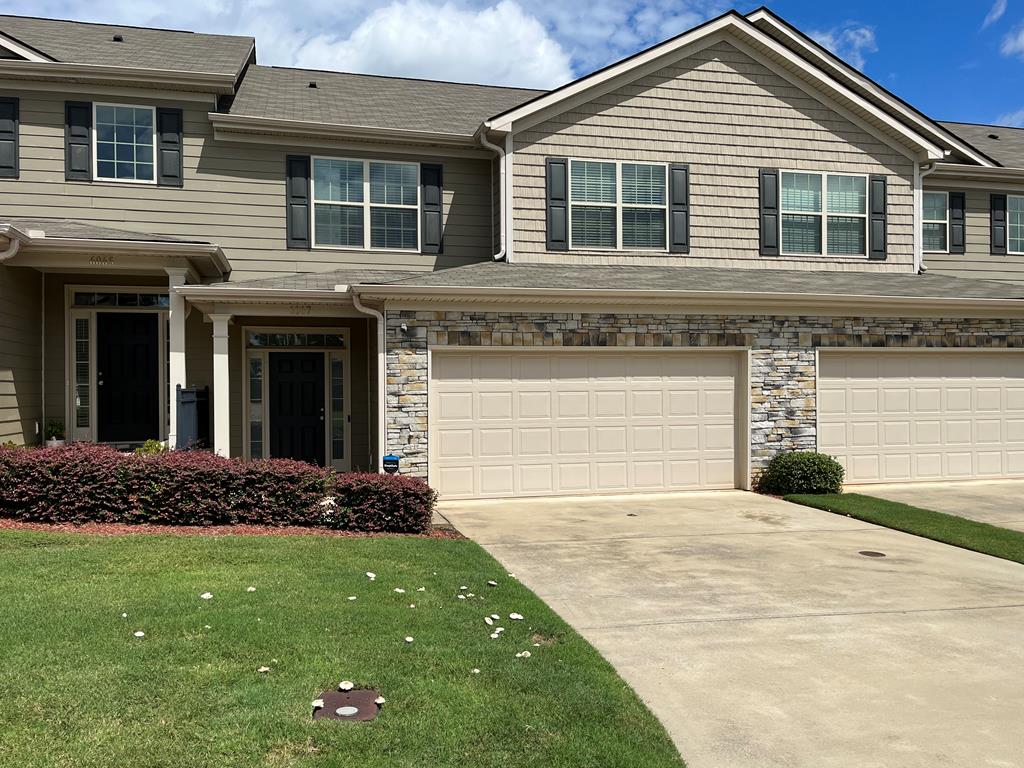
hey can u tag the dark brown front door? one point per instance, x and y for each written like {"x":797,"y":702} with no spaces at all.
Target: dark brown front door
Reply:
{"x":297,"y":406}
{"x":127,"y":377}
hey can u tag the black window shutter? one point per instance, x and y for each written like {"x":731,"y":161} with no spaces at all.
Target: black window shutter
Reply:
{"x":8,"y":138}
{"x":297,"y":201}
{"x":169,"y":149}
{"x":877,"y":218}
{"x":679,"y":208}
{"x":431,"y":180}
{"x":957,"y":223}
{"x":78,"y":141}
{"x":768,"y":194}
{"x":557,"y":203}
{"x":998,"y":224}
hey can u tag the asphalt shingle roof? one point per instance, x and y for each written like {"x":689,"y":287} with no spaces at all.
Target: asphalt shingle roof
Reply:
{"x":76,"y":42}
{"x":322,"y":281}
{"x":372,"y":100}
{"x":1007,"y":148}
{"x":83,"y":230}
{"x":668,"y":278}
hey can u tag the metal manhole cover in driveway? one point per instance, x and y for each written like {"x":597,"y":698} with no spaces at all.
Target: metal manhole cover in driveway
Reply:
{"x":348,"y":705}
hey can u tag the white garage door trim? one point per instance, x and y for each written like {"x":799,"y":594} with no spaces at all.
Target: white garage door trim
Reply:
{"x":992,"y":460}
{"x":741,"y":405}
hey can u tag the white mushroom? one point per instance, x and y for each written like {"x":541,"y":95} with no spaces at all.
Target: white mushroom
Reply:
{"x":495,"y":636}
{"x":495,"y":616}
{"x":206,"y":595}
{"x":207,"y":626}
{"x":463,"y":588}
{"x":499,"y":630}
{"x":516,"y":616}
{"x":422,"y":589}
{"x":462,"y":597}
{"x":475,"y":671}
{"x":371,"y":575}
{"x":346,"y":685}
{"x":493,"y":583}
{"x":523,"y":655}
{"x":140,"y":633}
{"x":379,"y":701}
{"x":263,"y":670}
{"x":250,"y":589}
{"x":318,"y":703}
{"x":124,"y":615}
{"x":408,"y":639}
{"x":412,"y":605}
{"x":351,"y":597}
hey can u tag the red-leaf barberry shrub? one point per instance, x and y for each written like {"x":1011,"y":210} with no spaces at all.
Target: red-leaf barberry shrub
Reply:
{"x":83,"y":483}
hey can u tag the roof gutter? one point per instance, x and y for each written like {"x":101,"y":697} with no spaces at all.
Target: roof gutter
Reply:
{"x":210,"y":82}
{"x":222,"y":293}
{"x":956,"y":170}
{"x":502,"y":202}
{"x":251,"y":124}
{"x":606,"y":296}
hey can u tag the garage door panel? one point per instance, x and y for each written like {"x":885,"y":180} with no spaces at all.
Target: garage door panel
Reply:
{"x":922,"y":415}
{"x":582,"y":422}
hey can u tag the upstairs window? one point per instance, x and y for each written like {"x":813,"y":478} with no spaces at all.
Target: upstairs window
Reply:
{"x":823,"y":214}
{"x":1015,"y":223}
{"x":935,"y":222}
{"x":124,"y":143}
{"x":617,"y":205}
{"x":366,"y":204}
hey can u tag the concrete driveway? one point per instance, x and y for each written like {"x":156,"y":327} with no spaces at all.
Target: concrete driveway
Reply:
{"x":761,"y":638}
{"x":997,"y":502}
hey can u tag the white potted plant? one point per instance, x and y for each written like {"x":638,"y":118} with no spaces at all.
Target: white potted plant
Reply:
{"x":54,"y":433}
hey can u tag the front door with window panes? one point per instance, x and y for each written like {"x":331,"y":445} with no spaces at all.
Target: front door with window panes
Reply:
{"x":117,"y":364}
{"x":284,"y":360}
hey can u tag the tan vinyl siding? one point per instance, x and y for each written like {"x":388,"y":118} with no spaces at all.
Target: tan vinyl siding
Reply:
{"x":978,"y":261}
{"x":233,"y":195}
{"x":727,"y":116}
{"x":20,"y":359}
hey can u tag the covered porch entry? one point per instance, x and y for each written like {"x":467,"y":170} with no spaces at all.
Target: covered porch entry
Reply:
{"x":289,"y":374}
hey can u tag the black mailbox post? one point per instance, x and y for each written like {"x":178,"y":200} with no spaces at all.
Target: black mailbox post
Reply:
{"x":193,"y":404}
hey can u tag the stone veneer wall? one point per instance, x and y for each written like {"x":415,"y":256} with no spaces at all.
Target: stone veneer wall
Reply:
{"x":782,"y":373}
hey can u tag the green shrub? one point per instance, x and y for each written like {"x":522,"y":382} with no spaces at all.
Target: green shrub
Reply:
{"x":800,"y":472}
{"x":150,"y":448}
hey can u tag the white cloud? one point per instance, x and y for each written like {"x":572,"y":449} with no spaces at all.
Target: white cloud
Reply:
{"x":849,"y":42}
{"x":1012,"y":119}
{"x":1013,"y":43}
{"x":520,"y":42}
{"x":501,"y":44}
{"x":995,"y":13}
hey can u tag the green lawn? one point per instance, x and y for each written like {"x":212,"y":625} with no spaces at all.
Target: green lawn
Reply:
{"x":78,"y":689}
{"x":949,"y":529}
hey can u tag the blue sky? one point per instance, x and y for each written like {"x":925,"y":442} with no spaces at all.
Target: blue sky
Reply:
{"x":956,"y":61}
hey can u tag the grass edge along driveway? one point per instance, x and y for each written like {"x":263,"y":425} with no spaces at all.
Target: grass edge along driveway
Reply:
{"x":78,"y":688}
{"x":938,"y":526}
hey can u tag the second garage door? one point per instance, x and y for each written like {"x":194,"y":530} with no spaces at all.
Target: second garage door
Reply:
{"x":549,"y":423}
{"x":895,"y":416}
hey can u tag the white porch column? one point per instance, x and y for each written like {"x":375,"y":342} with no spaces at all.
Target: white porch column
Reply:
{"x":176,"y":348}
{"x":221,"y":385}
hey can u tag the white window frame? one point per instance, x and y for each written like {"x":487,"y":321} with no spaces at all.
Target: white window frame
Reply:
{"x":366,"y":205}
{"x":618,"y":205}
{"x":945,"y":221}
{"x":71,"y":313}
{"x":824,"y":214}
{"x":95,"y":133}
{"x":339,"y":464}
{"x":1008,"y":249}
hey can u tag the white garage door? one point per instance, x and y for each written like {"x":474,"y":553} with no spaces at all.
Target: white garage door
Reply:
{"x":549,"y":423}
{"x":899,"y":416}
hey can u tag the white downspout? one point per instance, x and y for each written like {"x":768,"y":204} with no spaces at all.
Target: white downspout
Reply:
{"x":500,"y":152}
{"x":920,"y":172}
{"x":382,"y":381}
{"x":13,"y":246}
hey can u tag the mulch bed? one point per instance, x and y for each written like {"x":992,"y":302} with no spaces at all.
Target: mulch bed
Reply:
{"x":124,"y":529}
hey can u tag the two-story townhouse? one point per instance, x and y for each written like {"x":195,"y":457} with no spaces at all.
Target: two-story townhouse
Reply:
{"x":652,"y":278}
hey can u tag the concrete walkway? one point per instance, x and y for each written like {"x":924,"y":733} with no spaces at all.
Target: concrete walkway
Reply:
{"x":998,"y":502}
{"x":761,"y":638}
